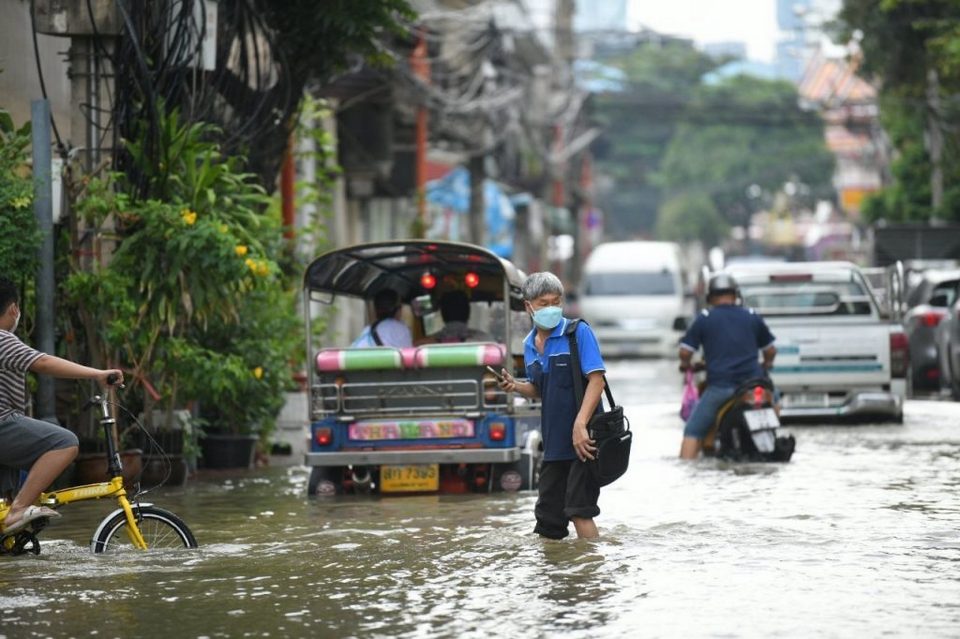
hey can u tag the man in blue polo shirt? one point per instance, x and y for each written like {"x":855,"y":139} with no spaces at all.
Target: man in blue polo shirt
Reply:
{"x":730,"y":336}
{"x":568,"y":489}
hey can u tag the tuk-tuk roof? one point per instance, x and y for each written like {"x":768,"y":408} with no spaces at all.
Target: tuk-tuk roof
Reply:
{"x":362,"y":270}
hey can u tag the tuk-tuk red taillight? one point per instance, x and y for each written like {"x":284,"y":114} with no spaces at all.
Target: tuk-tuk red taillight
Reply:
{"x":323,"y":436}
{"x":498,"y":431}
{"x":471,"y":279}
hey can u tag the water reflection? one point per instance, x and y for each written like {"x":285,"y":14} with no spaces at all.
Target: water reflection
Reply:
{"x":855,"y":537}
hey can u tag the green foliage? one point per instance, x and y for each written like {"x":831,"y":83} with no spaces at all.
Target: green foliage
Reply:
{"x":908,"y":198}
{"x":240,"y":370}
{"x":318,"y":43}
{"x":192,"y":301}
{"x":638,"y":125}
{"x":746,"y":131}
{"x":19,"y":235}
{"x":691,"y":216}
{"x":193,"y":171}
{"x":903,"y":39}
{"x":911,"y":50}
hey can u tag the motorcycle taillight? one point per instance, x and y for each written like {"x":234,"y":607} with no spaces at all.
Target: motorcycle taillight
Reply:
{"x":757,"y":396}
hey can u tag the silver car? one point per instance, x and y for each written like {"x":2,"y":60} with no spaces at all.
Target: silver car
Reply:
{"x":929,"y":304}
{"x":948,"y":348}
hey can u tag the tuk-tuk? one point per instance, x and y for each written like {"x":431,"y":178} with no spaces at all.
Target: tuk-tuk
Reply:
{"x":431,"y":417}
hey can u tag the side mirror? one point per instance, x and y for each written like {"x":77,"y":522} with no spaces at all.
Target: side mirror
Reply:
{"x":680,"y":324}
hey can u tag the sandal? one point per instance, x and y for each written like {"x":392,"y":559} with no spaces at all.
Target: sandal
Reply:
{"x":30,"y":514}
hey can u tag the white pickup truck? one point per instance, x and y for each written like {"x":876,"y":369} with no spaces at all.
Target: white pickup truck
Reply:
{"x":837,"y":355}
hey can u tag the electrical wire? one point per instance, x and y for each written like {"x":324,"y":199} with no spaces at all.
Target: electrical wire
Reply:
{"x":61,"y":147}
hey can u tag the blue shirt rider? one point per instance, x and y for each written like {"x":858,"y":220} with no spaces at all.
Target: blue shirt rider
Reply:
{"x":568,"y":490}
{"x":730,"y":336}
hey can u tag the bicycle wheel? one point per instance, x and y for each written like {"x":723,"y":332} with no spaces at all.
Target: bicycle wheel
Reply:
{"x":160,"y":529}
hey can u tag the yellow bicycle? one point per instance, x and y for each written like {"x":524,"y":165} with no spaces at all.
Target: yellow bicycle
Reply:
{"x":132,"y":525}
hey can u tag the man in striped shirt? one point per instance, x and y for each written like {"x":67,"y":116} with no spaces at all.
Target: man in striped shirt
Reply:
{"x":43,"y":449}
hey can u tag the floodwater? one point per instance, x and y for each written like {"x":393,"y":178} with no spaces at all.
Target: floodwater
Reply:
{"x":858,"y":536}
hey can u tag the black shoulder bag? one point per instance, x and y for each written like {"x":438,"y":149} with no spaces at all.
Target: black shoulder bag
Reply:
{"x":610,"y":429}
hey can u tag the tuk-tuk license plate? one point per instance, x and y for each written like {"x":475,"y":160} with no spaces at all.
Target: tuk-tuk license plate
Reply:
{"x":761,"y":419}
{"x":414,"y":478}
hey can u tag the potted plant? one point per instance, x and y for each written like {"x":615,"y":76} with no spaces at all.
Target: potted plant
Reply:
{"x":191,"y":301}
{"x":243,"y":377}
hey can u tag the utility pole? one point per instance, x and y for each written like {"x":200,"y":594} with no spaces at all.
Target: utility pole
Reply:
{"x":43,"y":209}
{"x":934,"y":142}
{"x":478,"y":202}
{"x":563,"y":30}
{"x":478,"y":168}
{"x":420,"y":66}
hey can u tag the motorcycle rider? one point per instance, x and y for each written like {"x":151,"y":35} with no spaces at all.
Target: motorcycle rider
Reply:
{"x":730,"y":336}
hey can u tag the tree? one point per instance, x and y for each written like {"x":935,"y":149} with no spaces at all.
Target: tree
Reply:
{"x":19,"y":235}
{"x":911,"y":50}
{"x":638,"y":125}
{"x":690,"y":217}
{"x":742,"y":132}
{"x":268,"y":53}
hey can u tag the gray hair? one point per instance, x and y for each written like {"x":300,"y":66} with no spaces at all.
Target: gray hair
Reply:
{"x":542,"y":283}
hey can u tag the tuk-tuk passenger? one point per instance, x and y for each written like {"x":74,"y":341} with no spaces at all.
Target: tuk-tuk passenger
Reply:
{"x":387,"y":330}
{"x":455,"y":311}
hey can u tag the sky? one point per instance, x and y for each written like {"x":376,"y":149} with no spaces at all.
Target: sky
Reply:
{"x":753,"y":22}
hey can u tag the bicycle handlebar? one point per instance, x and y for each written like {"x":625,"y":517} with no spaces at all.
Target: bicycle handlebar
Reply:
{"x":113,"y":379}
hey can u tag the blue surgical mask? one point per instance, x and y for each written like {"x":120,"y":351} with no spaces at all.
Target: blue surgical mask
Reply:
{"x":547,"y":317}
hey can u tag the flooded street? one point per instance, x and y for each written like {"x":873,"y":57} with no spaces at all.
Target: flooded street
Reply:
{"x":857,"y":536}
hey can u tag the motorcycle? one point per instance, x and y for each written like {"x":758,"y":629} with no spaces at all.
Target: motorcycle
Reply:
{"x":746,"y":427}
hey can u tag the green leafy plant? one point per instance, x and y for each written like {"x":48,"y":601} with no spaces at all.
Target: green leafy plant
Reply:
{"x":192,"y":301}
{"x":19,"y":236}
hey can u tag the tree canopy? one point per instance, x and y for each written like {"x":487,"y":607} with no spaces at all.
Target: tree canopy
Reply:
{"x":744,"y":133}
{"x":911,"y":50}
{"x":638,"y":125}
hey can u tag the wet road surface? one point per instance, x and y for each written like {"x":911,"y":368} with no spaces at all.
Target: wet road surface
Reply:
{"x":859,"y":535}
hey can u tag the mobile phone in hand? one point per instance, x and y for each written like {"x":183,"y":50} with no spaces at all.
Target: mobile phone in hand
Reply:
{"x":495,"y":373}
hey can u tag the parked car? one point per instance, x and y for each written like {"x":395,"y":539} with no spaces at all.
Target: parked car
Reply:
{"x":837,"y":355}
{"x":427,"y":418}
{"x":947,"y":337}
{"x":633,"y":294}
{"x":928,"y":304}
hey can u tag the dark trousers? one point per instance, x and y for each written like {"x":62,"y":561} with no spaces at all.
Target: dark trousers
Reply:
{"x":567,"y":489}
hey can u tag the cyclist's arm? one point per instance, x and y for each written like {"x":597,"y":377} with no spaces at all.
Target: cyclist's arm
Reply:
{"x":59,"y":367}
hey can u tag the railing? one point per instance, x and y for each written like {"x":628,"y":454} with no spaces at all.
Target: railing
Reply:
{"x":423,"y":397}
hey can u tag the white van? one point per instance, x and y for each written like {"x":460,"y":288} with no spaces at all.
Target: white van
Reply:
{"x":632,"y":294}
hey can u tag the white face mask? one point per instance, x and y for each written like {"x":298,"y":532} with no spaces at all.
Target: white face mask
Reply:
{"x":16,"y":322}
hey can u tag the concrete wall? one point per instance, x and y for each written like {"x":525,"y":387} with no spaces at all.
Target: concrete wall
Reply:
{"x":19,"y":79}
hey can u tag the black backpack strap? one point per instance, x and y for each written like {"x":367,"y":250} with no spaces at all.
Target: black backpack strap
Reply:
{"x":570,"y":330}
{"x":373,"y":333}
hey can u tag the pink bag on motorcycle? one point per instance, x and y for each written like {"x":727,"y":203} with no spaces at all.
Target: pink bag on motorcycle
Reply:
{"x":690,"y":397}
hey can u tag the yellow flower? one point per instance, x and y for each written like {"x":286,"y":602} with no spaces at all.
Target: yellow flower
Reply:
{"x":21,"y":202}
{"x":188,"y":216}
{"x":251,"y":264}
{"x":263,"y":269}
{"x":240,"y":250}
{"x":258,"y":372}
